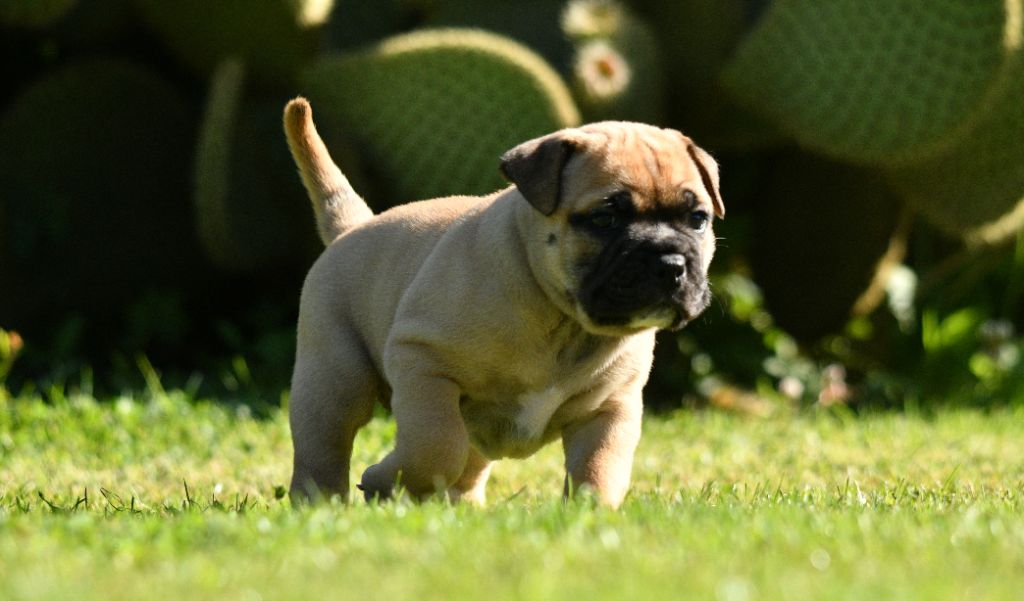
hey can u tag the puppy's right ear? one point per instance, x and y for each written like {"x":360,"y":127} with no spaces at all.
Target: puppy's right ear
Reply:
{"x":535,"y":167}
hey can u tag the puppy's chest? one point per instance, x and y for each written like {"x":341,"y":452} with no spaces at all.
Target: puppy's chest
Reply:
{"x":518,"y":425}
{"x":512,"y":417}
{"x":511,"y":409}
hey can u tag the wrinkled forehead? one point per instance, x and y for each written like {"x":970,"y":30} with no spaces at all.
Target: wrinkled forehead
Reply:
{"x":651,"y":162}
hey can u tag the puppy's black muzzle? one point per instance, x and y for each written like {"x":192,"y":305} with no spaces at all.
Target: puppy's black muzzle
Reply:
{"x":641,"y":277}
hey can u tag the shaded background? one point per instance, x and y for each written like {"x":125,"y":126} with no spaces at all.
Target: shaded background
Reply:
{"x":872,"y":156}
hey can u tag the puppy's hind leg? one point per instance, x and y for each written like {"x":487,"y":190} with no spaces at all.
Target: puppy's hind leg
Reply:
{"x":334,"y":389}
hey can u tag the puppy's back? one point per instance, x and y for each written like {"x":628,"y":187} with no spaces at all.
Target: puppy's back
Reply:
{"x":362,"y":275}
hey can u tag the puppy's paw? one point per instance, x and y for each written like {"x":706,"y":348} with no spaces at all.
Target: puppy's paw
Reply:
{"x":378,"y":483}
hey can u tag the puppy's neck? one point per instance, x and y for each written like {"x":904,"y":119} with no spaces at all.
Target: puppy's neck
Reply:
{"x":527,"y":233}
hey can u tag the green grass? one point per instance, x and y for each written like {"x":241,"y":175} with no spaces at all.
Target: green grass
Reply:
{"x":93,"y":505}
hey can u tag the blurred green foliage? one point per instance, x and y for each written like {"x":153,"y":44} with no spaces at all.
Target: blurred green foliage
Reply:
{"x":872,"y":154}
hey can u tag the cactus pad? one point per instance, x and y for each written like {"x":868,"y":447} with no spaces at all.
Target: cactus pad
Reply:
{"x":696,"y":39}
{"x":433,"y":110}
{"x":248,"y":214}
{"x":533,"y":23}
{"x":875,"y":81}
{"x":274,"y":37}
{"x":355,"y":23}
{"x":976,"y":190}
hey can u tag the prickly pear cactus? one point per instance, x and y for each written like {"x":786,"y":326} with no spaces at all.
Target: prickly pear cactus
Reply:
{"x":248,"y":213}
{"x":95,"y":172}
{"x":697,"y":38}
{"x":875,"y":81}
{"x":33,"y":13}
{"x":616,"y":67}
{"x":434,"y":109}
{"x":273,"y":37}
{"x":534,"y":23}
{"x":215,"y":219}
{"x":355,"y":23}
{"x":976,"y":190}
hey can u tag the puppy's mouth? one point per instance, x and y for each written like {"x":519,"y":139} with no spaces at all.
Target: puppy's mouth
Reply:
{"x":689,"y":306}
{"x":646,"y":289}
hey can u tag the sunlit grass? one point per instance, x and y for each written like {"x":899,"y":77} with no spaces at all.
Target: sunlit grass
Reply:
{"x":169,"y":497}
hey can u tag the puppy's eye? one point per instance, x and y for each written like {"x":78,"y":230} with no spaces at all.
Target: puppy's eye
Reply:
{"x":699,"y":220}
{"x":612,"y":213}
{"x":604,"y":218}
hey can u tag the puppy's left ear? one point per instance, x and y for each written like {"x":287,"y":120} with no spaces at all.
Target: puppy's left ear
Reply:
{"x":708,"y":169}
{"x":535,"y":167}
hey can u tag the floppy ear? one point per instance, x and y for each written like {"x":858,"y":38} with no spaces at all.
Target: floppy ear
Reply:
{"x":709,"y":175}
{"x":535,"y":167}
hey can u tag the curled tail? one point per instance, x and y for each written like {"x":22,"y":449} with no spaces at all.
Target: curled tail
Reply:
{"x":337,"y":206}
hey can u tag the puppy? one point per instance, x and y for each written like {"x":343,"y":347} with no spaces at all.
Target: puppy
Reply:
{"x":493,"y":325}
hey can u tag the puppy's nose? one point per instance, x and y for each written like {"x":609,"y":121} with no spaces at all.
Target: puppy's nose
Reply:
{"x":671,"y":268}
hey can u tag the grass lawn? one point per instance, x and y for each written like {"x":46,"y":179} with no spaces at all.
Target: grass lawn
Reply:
{"x":93,"y":505}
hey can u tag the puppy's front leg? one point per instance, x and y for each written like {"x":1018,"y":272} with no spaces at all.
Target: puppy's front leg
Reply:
{"x":472,"y":484}
{"x":599,"y":451}
{"x":431,"y":443}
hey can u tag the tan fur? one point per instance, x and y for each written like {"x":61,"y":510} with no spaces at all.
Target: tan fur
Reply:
{"x":335,"y":203}
{"x":458,"y":314}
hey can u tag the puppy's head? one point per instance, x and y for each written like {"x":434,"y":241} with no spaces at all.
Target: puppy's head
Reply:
{"x":622,"y":222}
